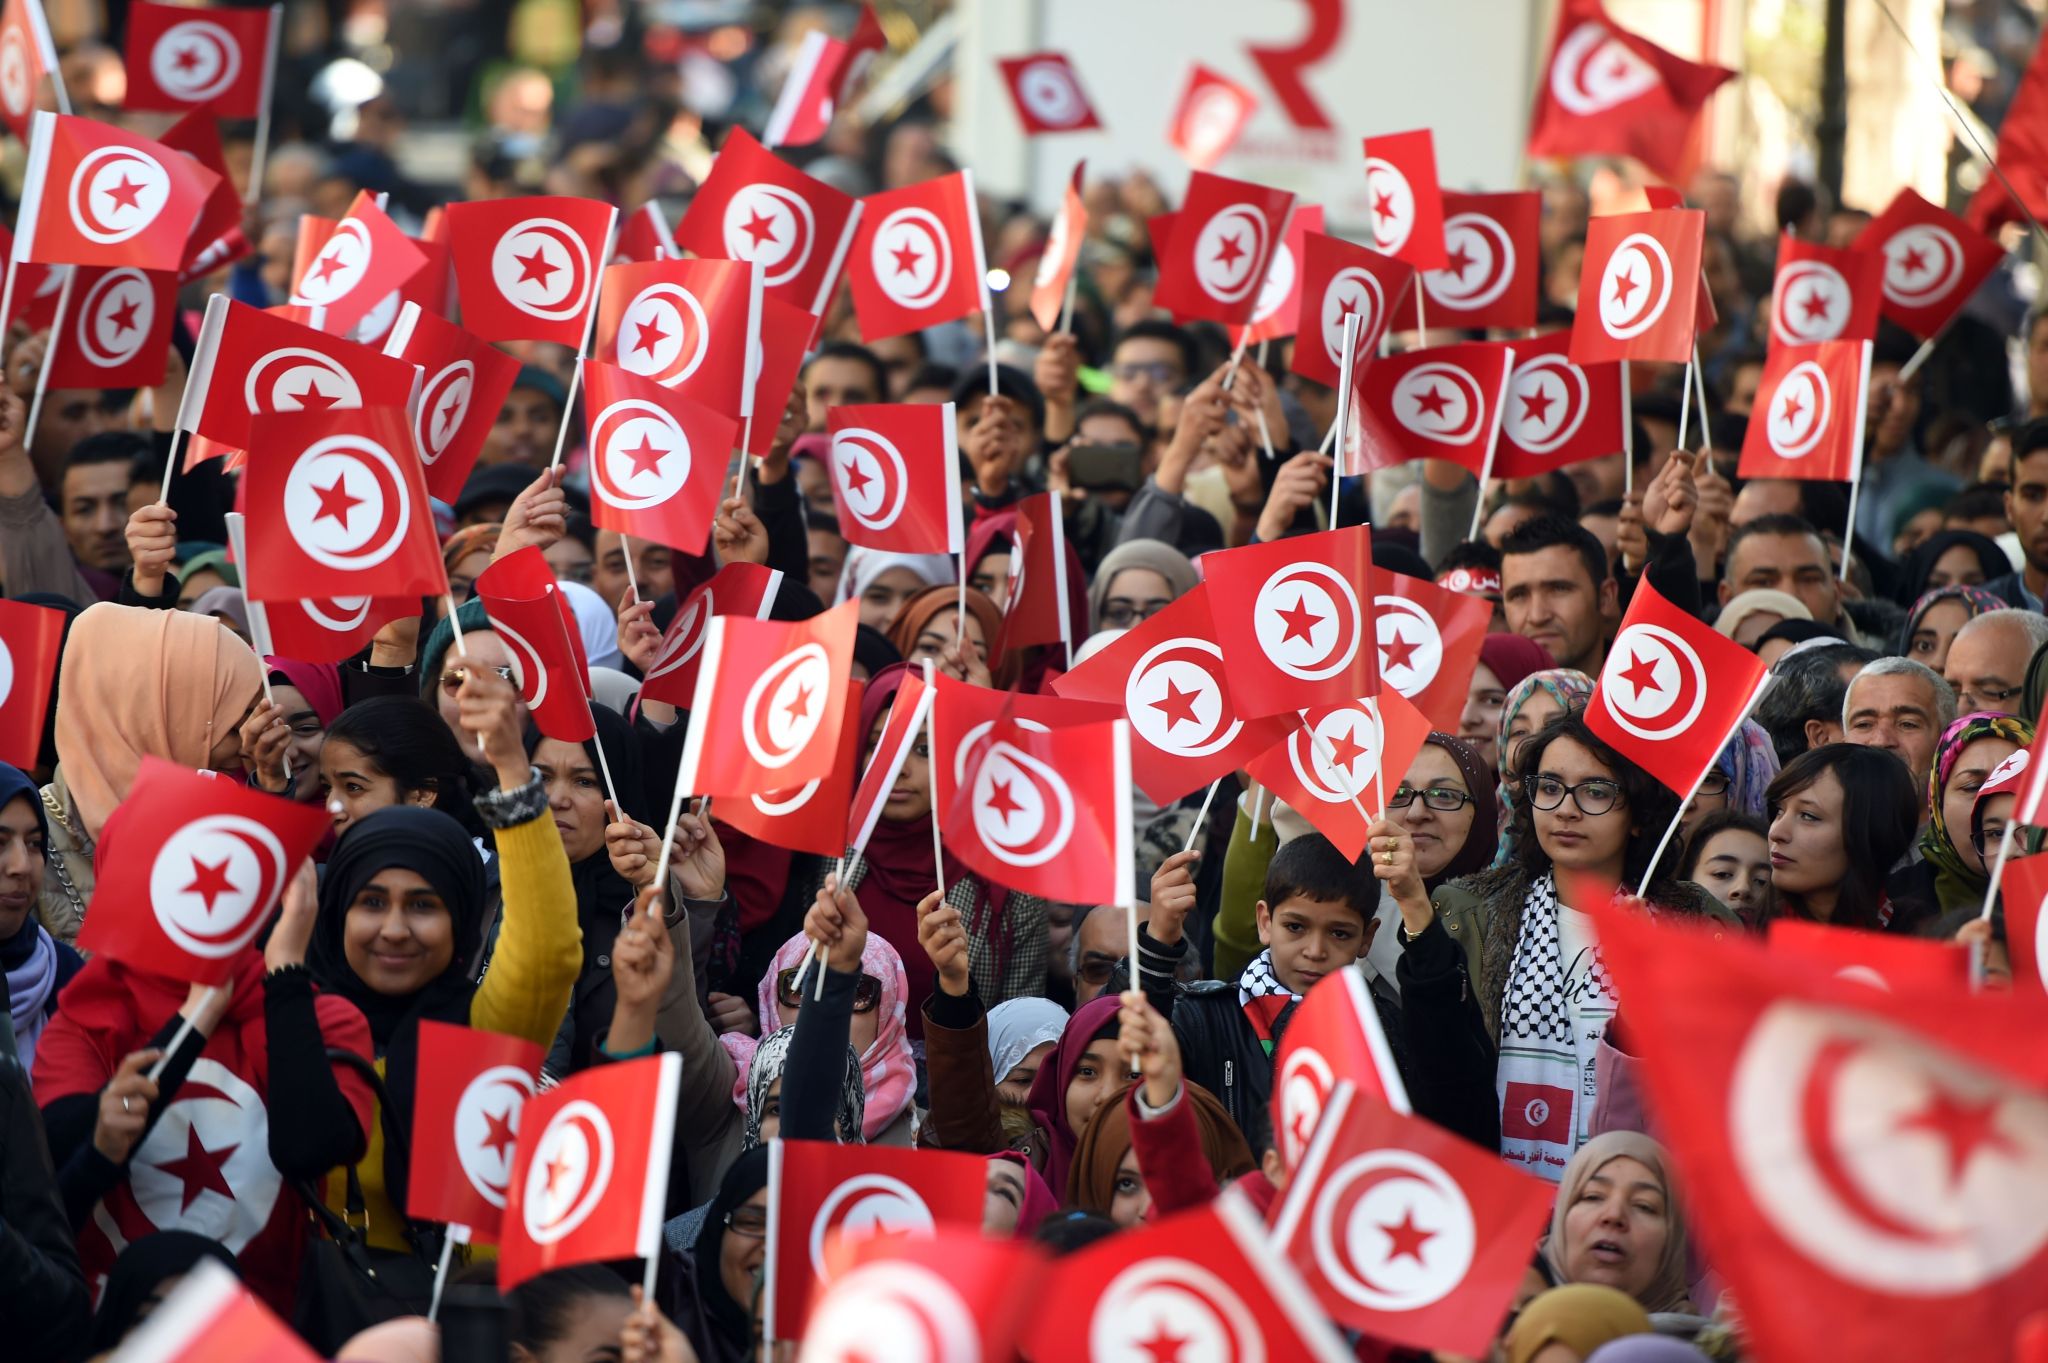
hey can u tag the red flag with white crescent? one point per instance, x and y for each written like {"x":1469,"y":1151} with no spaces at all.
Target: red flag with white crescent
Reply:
{"x":1210,"y":116}
{"x":2023,"y":890}
{"x":1639,"y":287}
{"x":1167,"y":675}
{"x":687,"y":325}
{"x":27,"y":55}
{"x":644,"y":236}
{"x":1021,"y":817}
{"x":963,"y":715}
{"x":810,"y":817}
{"x":1224,"y":237}
{"x":1807,"y":420}
{"x":217,"y":239}
{"x":221,"y":60}
{"x":1295,"y":620}
{"x":96,"y":195}
{"x":1403,"y":198}
{"x":1558,"y":412}
{"x":470,"y":1089}
{"x":553,"y":687}
{"x":1278,"y":309}
{"x":1340,"y":278}
{"x":1882,"y":960}
{"x":31,"y":641}
{"x":209,"y":1316}
{"x":463,"y":383}
{"x":746,"y":589}
{"x":896,"y":476}
{"x":757,"y":207}
{"x":766,"y":713}
{"x":1608,"y":92}
{"x":820,"y":1192}
{"x":1441,"y":402}
{"x":118,"y":332}
{"x":363,"y":260}
{"x":952,"y":1294}
{"x":202,"y":861}
{"x":1406,"y":1231}
{"x":1060,"y":254}
{"x":590,"y":1171}
{"x":1046,"y":92}
{"x":1933,"y":261}
{"x":917,"y":257}
{"x":1886,"y":1150}
{"x":1333,"y":1038}
{"x":1429,"y":644}
{"x":1825,"y":293}
{"x":528,"y":268}
{"x":1671,"y":691}
{"x":312,"y":630}
{"x":1492,"y":263}
{"x":1341,"y":761}
{"x":657,"y":458}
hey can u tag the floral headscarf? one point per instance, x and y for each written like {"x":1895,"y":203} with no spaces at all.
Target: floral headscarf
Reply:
{"x":771,"y":1057}
{"x":1749,"y":762}
{"x":1956,"y":884}
{"x":888,"y":1071}
{"x":1568,"y":688}
{"x":1975,"y":600}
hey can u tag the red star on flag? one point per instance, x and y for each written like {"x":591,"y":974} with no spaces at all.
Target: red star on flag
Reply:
{"x":1001,"y":801}
{"x":210,"y":881}
{"x":314,"y":398}
{"x":1536,"y":405}
{"x":326,"y":266}
{"x":650,"y":336}
{"x":1914,"y":260}
{"x":500,"y":1136}
{"x":1432,"y":403}
{"x":1460,"y":261}
{"x":1641,"y":675}
{"x":1965,"y":1127}
{"x":1345,"y":750}
{"x":646,"y":457}
{"x":1177,"y":705}
{"x":855,"y":480}
{"x":336,"y":501}
{"x":1229,"y":251}
{"x":1407,"y":1238}
{"x":1398,"y":651}
{"x":123,"y":318}
{"x":1816,"y":304}
{"x":535,"y":268}
{"x":1163,"y":1347}
{"x":556,"y":1167}
{"x":760,"y":227}
{"x":1792,"y":408}
{"x":1623,"y":287}
{"x":906,"y":259}
{"x":1301,"y":622}
{"x":127,"y":194}
{"x":199,"y":1170}
{"x":801,"y":706}
{"x":1383,"y":206}
{"x":187,"y":59}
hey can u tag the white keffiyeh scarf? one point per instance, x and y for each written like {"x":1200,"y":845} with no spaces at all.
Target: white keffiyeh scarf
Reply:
{"x":1553,"y":1014}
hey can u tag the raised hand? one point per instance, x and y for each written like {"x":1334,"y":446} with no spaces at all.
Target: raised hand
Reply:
{"x":1173,"y":896}
{"x":152,"y":544}
{"x":944,"y":939}
{"x":835,"y":922}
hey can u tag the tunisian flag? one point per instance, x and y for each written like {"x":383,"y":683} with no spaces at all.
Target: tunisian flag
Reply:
{"x":824,"y":1195}
{"x":1638,"y":287}
{"x":31,"y":640}
{"x":1339,"y":278}
{"x":1824,"y":293}
{"x":1887,"y":1151}
{"x":746,"y":589}
{"x":1295,"y":620}
{"x":1405,"y":1231}
{"x":755,"y":206}
{"x":469,"y":1090}
{"x":1035,"y":605}
{"x":1021,"y":818}
{"x":1337,"y":766}
{"x":1607,"y":92}
{"x":1807,"y":421}
{"x":209,"y":1317}
{"x":1279,"y":307}
{"x":95,"y":195}
{"x":1491,"y":263}
{"x":219,"y":60}
{"x":825,"y":75}
{"x":1404,"y":199}
{"x":463,"y":384}
{"x":1059,"y":256}
{"x":1558,"y":412}
{"x":590,"y":1171}
{"x":1882,"y":960}
{"x":26,"y":56}
{"x":337,"y":506}
{"x":963,"y":715}
{"x":551,"y":680}
{"x":1223,"y":239}
{"x":1167,"y":674}
{"x":917,"y":257}
{"x":949,"y":1293}
{"x":1429,"y":644}
{"x":118,"y":333}
{"x":2022,"y":156}
{"x":1205,"y":1278}
{"x":1933,"y":262}
{"x":364,"y":260}
{"x":313,"y":630}
{"x":203,"y":860}
{"x":765,"y":715}
{"x":529,"y":267}
{"x":1333,"y":1037}
{"x":810,"y":817}
{"x":1210,"y":116}
{"x":1672,"y":691}
{"x":645,"y":236}
{"x":684,"y":324}
{"x":1441,"y":402}
{"x":657,"y":459}
{"x":1047,"y":93}
{"x":896,"y":476}
{"x":2022,"y":891}
{"x":905,"y":725}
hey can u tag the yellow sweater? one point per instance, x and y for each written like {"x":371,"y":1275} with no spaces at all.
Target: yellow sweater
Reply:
{"x":525,"y":993}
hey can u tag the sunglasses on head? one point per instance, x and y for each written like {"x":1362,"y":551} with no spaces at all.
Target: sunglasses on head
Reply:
{"x":866,"y":994}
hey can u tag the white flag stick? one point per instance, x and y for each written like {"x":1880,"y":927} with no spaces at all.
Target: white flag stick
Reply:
{"x":1678,"y":819}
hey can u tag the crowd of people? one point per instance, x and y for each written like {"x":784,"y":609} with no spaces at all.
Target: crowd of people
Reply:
{"x":478,"y":872}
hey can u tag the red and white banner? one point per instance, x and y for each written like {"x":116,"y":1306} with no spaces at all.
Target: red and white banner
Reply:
{"x":962,"y":716}
{"x":1341,"y":761}
{"x":810,"y":817}
{"x":1933,"y":262}
{"x":896,"y":476}
{"x":1492,"y":262}
{"x":744,"y":589}
{"x":1442,"y":402}
{"x":528,"y":270}
{"x":1022,"y":818}
{"x":118,"y":333}
{"x":463,"y":384}
{"x":312,"y":630}
{"x":1807,"y":419}
{"x":1671,"y":691}
{"x":590,"y":1172}
{"x":1295,"y":620}
{"x":657,"y":458}
{"x":363,"y":261}
{"x":1339,"y":278}
{"x":1061,"y":253}
{"x":765,"y":714}
{"x":1404,"y":199}
{"x":1639,"y":287}
{"x":1824,"y":293}
{"x":1278,"y":309}
{"x":470,"y":1088}
{"x":951,"y":1293}
{"x":552,"y":681}
{"x":31,"y":641}
{"x":821,"y":81}
{"x":825,"y":1196}
{"x":917,"y":257}
{"x":337,"y":507}
{"x":202,"y":860}
{"x":1223,"y":239}
{"x":1209,"y":118}
{"x":1333,"y":1038}
{"x":1047,"y":93}
{"x":1167,"y":674}
{"x":217,"y":239}
{"x":1558,"y":412}
{"x":95,"y":195}
{"x":1608,"y":92}
{"x":757,"y":207}
{"x":1407,"y":1232}
{"x":26,"y":56}
{"x":1429,"y":644}
{"x":223,"y":61}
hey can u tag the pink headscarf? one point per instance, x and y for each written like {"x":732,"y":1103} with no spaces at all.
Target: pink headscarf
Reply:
{"x":1039,"y":1201}
{"x":887,"y":1070}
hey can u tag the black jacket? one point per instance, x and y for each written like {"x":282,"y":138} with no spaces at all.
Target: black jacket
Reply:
{"x":44,"y":1307}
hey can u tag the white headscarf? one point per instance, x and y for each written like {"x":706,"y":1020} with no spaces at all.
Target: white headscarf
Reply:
{"x":863,"y":566}
{"x":596,"y":623}
{"x":1019,"y":1027}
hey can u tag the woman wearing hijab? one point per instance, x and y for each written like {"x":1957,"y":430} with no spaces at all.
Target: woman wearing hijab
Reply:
{"x":145,"y":1273}
{"x":928,"y":625}
{"x":1532,"y":703}
{"x":402,"y":917}
{"x":135,"y":683}
{"x":1741,"y":773}
{"x":1748,"y":614}
{"x":304,"y":699}
{"x":766,"y":1108}
{"x":876,"y":1014}
{"x":1951,"y":873}
{"x":1135,"y":581}
{"x":1951,"y":558}
{"x":1107,"y":1176}
{"x":1566,"y":1324}
{"x":711,"y":1288}
{"x":1618,"y":1222}
{"x":882,"y":582}
{"x":1019,"y":1199}
{"x":37,"y":965}
{"x":596,"y":623}
{"x":1078,"y":1078}
{"x":1021,"y":1034}
{"x":1505,"y":660}
{"x":1937,"y":617}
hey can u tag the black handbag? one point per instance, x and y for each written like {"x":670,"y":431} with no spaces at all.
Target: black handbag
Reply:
{"x":345,"y":1284}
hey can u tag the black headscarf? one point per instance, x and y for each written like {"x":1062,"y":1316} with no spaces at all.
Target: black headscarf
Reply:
{"x":1992,"y":561}
{"x":600,"y":889}
{"x":1476,"y":853}
{"x":432,"y":846}
{"x":14,"y":785}
{"x":734,"y":1320}
{"x":139,"y":1271}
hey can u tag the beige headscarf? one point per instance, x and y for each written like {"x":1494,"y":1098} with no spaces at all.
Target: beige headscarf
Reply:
{"x":1745,"y":604}
{"x":139,"y":683}
{"x":1667,"y":1290}
{"x":1162,"y":558}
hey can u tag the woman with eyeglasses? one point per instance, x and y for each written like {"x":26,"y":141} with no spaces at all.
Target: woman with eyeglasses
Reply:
{"x":1445,"y":802}
{"x":710,"y":1278}
{"x":1501,"y":988}
{"x":1532,"y":703}
{"x":1738,"y":778}
{"x":442,"y":667}
{"x":1841,"y":816}
{"x":1951,"y":874}
{"x":1136,"y":580}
